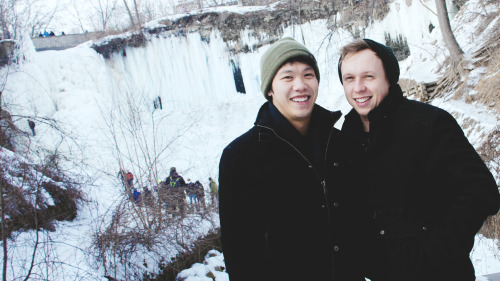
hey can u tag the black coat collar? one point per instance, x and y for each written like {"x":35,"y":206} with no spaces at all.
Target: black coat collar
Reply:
{"x":313,"y":145}
{"x":269,"y":114}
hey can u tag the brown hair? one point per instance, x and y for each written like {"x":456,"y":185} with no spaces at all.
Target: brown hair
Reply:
{"x":351,"y":48}
{"x":383,"y":52}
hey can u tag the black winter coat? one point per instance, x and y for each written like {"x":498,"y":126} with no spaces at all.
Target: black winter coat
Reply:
{"x":428,"y":190}
{"x":273,"y":208}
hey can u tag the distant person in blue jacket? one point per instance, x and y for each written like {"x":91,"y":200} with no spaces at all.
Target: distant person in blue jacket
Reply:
{"x":136,"y":195}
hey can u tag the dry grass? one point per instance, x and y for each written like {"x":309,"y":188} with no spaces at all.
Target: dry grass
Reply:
{"x":485,"y":91}
{"x":490,"y":153}
{"x":487,"y":88}
{"x":456,"y":78}
{"x":407,"y":84}
{"x":491,"y":228}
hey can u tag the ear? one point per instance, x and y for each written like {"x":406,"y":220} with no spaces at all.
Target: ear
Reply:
{"x":270,"y":93}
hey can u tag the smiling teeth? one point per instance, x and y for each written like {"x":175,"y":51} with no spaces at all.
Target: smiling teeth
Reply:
{"x":362,"y":99}
{"x":300,"y":99}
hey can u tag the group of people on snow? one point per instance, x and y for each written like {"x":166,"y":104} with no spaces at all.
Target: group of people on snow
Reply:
{"x":397,"y":194}
{"x":171,"y":192}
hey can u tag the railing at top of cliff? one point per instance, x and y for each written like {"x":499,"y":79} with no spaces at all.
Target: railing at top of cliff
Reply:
{"x":64,"y":41}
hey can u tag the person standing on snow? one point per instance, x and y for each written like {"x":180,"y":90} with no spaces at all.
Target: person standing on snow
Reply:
{"x":427,"y":190}
{"x":199,"y":193}
{"x":176,"y":185}
{"x":214,"y":191}
{"x":32,"y":126}
{"x":273,"y":198}
{"x":191,"y":192}
{"x":130,"y":179}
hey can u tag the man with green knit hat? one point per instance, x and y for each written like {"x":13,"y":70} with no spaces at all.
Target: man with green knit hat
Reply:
{"x":273,"y":200}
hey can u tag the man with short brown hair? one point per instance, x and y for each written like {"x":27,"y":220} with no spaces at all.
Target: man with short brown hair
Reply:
{"x":427,"y":190}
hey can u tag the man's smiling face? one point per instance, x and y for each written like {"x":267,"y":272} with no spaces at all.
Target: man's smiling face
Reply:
{"x":364,"y":80}
{"x":294,"y":91}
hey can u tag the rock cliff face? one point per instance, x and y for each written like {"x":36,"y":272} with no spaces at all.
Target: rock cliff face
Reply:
{"x":117,"y":45}
{"x":267,"y":24}
{"x":6,"y":50}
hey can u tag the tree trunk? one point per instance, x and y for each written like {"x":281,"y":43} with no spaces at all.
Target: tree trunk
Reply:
{"x":448,"y":37}
{"x":2,"y":205}
{"x":240,"y":3}
{"x":4,"y":231}
{"x":129,"y":13}
{"x":137,"y":13}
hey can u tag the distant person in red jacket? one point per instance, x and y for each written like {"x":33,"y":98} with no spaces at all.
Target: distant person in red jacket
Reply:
{"x":130,"y":179}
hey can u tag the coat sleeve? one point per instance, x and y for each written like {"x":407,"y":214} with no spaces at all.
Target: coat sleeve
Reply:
{"x":470,"y":189}
{"x":241,"y":217}
{"x":182,"y":181}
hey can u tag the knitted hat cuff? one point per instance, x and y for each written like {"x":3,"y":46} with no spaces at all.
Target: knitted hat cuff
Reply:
{"x":389,"y":60}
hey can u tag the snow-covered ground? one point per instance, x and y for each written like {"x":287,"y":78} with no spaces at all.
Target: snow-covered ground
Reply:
{"x":106,"y":106}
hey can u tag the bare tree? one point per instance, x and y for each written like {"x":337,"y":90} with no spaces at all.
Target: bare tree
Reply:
{"x":37,"y":17}
{"x":18,"y":15}
{"x":137,"y":133}
{"x":24,"y":188}
{"x":35,"y":192}
{"x":4,"y":238}
{"x":456,"y":52}
{"x":3,"y":140}
{"x":139,"y":22}
{"x":173,"y":5}
{"x":77,"y":10}
{"x":4,"y":228}
{"x":7,"y":17}
{"x":104,"y":10}
{"x":154,"y":10}
{"x":129,"y":13}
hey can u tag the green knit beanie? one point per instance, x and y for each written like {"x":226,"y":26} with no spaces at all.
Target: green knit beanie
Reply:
{"x":277,"y":55}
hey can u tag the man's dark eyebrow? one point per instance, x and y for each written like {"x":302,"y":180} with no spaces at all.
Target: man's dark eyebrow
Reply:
{"x":286,"y":70}
{"x":363,"y":72}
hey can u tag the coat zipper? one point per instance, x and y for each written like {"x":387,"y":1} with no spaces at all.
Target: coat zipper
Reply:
{"x":302,"y":155}
{"x":323,"y":182}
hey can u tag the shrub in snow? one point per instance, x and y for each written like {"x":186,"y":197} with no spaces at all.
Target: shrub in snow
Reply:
{"x":212,"y":269}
